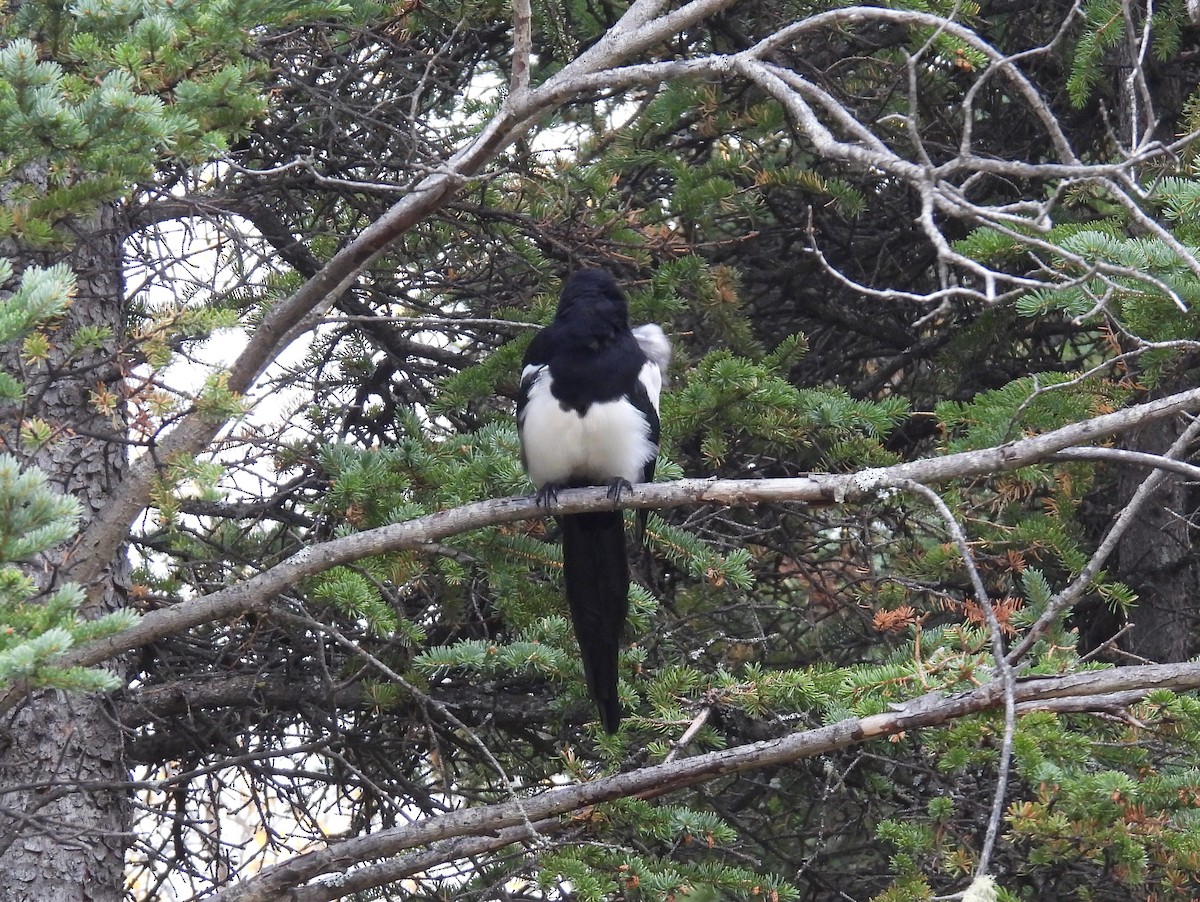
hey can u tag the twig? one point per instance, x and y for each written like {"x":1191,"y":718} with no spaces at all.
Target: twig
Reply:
{"x":681,"y":743}
{"x":277,"y":881}
{"x":1108,"y":643}
{"x":1003,"y":668}
{"x":1072,"y":592}
{"x":436,"y":323}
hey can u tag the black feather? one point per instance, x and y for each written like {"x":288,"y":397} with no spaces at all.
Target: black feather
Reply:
{"x":597,"y":576}
{"x":592,"y":357}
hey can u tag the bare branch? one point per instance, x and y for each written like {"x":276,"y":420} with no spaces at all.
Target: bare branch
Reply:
{"x":1137,"y":458}
{"x":1003,"y":668}
{"x":522,"y":47}
{"x":1066,"y":598}
{"x":689,"y":734}
{"x":259,"y":591}
{"x":859,"y":14}
{"x":1116,"y":687}
{"x":390,"y":870}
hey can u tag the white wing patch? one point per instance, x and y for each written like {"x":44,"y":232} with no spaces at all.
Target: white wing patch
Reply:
{"x":611,"y":441}
{"x":654,"y":344}
{"x":651,"y":378}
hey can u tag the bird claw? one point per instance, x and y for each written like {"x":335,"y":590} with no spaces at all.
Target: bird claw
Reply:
{"x":618,"y":486}
{"x":547,"y":495}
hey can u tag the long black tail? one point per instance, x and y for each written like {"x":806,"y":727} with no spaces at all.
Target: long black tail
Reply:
{"x":597,"y":575}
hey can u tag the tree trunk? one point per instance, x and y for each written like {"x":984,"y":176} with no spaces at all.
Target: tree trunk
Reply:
{"x":64,"y":806}
{"x":1156,"y":558}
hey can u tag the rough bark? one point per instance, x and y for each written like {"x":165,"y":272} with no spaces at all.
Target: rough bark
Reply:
{"x":1156,"y":557}
{"x":64,"y":815}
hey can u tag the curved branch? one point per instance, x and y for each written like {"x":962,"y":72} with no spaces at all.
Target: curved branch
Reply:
{"x":418,"y":534}
{"x":1128,"y":684}
{"x":1006,"y":678}
{"x":1137,"y":458}
{"x":637,"y":30}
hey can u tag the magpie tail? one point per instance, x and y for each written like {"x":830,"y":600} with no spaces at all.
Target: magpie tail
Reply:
{"x":596,"y":570}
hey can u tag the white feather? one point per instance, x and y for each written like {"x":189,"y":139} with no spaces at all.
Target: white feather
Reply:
{"x":611,"y":441}
{"x":654,"y":344}
{"x":651,"y":378}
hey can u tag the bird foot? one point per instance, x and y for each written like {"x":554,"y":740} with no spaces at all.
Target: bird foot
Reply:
{"x":616,"y":487}
{"x":547,"y":494}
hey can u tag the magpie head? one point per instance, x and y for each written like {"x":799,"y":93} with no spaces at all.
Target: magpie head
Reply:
{"x":596,"y":292}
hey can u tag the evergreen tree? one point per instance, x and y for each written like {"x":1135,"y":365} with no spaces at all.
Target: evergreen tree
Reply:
{"x":930,"y":270}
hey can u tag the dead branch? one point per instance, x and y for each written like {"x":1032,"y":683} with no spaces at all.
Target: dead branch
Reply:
{"x":418,"y":534}
{"x":1103,"y":690}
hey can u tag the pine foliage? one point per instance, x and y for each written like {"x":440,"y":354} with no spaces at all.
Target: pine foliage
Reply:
{"x":37,"y":625}
{"x":442,"y":676}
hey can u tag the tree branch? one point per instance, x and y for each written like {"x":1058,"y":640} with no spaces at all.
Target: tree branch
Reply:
{"x":416,"y":535}
{"x":1003,"y":669}
{"x":391,"y":870}
{"x":522,"y":47}
{"x":634,"y":32}
{"x":1126,"y":684}
{"x":1066,"y":598}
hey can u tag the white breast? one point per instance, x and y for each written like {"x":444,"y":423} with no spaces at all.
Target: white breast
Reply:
{"x":611,"y":441}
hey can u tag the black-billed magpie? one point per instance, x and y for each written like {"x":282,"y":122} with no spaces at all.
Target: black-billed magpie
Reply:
{"x":587,"y":414}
